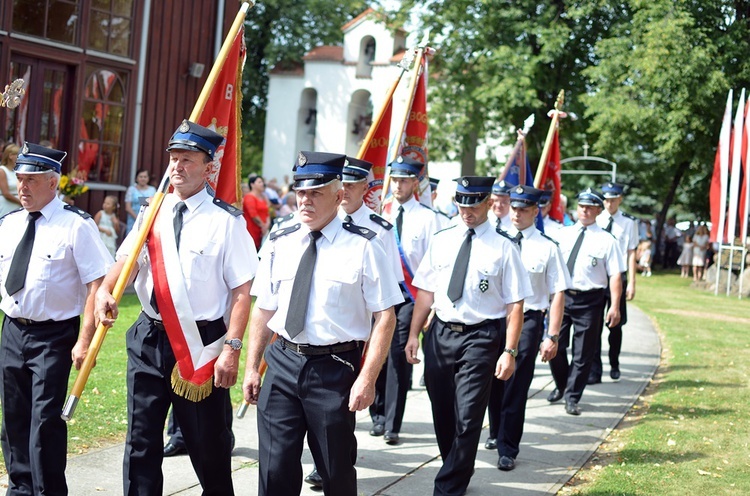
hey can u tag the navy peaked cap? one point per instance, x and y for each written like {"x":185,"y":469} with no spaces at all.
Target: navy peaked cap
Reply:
{"x":35,"y":159}
{"x":194,"y":137}
{"x":406,"y":167}
{"x":524,"y":196}
{"x":613,"y":190}
{"x":471,"y":190}
{"x":316,"y":169}
{"x":590,"y":197}
{"x":356,"y":170}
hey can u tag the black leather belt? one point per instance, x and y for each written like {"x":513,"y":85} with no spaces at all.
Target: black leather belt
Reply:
{"x":309,"y":349}
{"x":30,"y":323}
{"x":459,"y":327}
{"x":159,"y":324}
{"x":575,"y":292}
{"x":534,"y":312}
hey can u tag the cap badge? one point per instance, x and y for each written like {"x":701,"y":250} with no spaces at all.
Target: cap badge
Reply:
{"x":184,"y":127}
{"x":593,"y":262}
{"x":484,"y":285}
{"x":519,"y":190}
{"x":25,"y":149}
{"x":301,"y":159}
{"x":400,"y":160}
{"x":465,"y":183}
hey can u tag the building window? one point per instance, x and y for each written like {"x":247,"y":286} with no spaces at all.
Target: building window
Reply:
{"x":102,"y":119}
{"x":366,"y":57}
{"x":110,"y":26}
{"x":55,"y":20}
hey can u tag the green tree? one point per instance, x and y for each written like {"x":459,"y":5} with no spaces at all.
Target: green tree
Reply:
{"x":279,"y":33}
{"x":656,"y":97}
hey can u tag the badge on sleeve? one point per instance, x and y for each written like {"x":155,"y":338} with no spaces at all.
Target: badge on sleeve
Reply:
{"x":484,"y":285}
{"x":593,"y":262}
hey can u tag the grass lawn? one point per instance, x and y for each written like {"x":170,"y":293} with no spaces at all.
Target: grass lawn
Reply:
{"x":689,"y":433}
{"x":100,"y":418}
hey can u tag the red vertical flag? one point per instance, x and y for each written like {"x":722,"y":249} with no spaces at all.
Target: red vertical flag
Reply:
{"x":720,"y":179}
{"x":551,"y":178}
{"x":415,"y":135}
{"x":377,"y":154}
{"x":222,"y":114}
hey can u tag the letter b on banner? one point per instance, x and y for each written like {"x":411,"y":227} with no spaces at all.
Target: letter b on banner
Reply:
{"x":229,"y":92}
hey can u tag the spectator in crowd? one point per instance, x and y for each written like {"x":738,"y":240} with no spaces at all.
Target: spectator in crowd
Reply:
{"x":255,"y":209}
{"x":700,"y":246}
{"x":138,"y":191}
{"x":8,"y":185}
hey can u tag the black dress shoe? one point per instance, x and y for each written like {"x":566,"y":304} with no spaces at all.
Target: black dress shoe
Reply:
{"x":571,"y":408}
{"x":391,"y":438}
{"x":555,"y":395}
{"x":314,"y":479}
{"x":614,"y":374}
{"x":377,"y":430}
{"x":594,"y":380}
{"x":172,"y":450}
{"x":491,"y":443}
{"x":506,"y":463}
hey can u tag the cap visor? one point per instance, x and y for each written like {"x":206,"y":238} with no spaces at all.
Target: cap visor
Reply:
{"x":33,"y":169}
{"x":469,"y":200}
{"x":304,"y":184}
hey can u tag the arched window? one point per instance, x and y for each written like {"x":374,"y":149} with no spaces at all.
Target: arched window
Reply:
{"x":366,"y":56}
{"x":359,"y":120}
{"x":101,"y":128}
{"x":307,"y":120}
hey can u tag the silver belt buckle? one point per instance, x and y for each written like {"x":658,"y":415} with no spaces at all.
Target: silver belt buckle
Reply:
{"x":456,"y":327}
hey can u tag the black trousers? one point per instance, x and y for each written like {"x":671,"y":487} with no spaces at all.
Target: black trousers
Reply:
{"x":175,"y":433}
{"x":398,"y":370}
{"x":507,"y":406}
{"x":35,"y":366}
{"x":203,"y":423}
{"x":583,"y":312}
{"x":615,"y":333}
{"x":377,"y":409}
{"x":458,"y":370}
{"x":307,"y":395}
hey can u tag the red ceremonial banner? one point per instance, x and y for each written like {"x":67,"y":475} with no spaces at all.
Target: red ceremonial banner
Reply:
{"x":377,"y":155}
{"x":222,"y":115}
{"x":551,"y":178}
{"x":416,"y":131}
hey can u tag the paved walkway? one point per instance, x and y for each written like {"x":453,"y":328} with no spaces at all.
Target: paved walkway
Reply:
{"x":554,"y":447}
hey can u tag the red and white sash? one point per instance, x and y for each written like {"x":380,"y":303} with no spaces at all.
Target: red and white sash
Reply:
{"x":193,"y":372}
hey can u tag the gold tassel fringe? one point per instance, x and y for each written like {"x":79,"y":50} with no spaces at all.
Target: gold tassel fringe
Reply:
{"x":188,"y":390}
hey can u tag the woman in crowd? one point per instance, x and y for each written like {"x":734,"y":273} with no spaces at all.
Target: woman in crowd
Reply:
{"x":141,"y":189}
{"x":255,"y":209}
{"x":8,"y":192}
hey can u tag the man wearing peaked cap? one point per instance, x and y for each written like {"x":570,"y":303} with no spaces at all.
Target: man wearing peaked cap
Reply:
{"x":472,"y":276}
{"x":414,"y":224}
{"x":52,"y":260}
{"x":319,"y":286}
{"x":549,"y":278}
{"x":500,"y":213}
{"x":354,"y":211}
{"x":594,"y":262}
{"x":624,"y":227}
{"x":193,"y":282}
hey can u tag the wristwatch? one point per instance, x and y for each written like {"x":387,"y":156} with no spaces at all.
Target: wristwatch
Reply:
{"x":553,"y":337}
{"x":511,"y":351}
{"x":235,"y":344}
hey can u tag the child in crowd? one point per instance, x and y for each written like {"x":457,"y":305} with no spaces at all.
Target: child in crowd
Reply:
{"x":686,"y":257}
{"x":644,"y":258}
{"x":109,"y":224}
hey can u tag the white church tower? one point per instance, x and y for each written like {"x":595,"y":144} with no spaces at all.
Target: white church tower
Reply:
{"x":326,"y":102}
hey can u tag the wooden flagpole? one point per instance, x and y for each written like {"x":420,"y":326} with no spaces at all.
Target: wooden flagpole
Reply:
{"x":527,"y":124}
{"x":149,"y":217}
{"x":550,"y":134}
{"x":376,"y":123}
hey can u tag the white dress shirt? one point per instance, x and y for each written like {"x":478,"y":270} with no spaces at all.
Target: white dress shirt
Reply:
{"x":598,"y":258}
{"x":363,"y":217}
{"x":624,"y":228}
{"x":216,"y":255}
{"x":348,"y":285}
{"x":68,"y":253}
{"x":495,"y":275}
{"x":419,"y":224}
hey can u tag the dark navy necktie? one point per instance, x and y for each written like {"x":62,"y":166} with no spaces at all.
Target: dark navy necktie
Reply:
{"x":300,"y":298}
{"x":574,"y":252}
{"x":458,"y":277}
{"x":16,"y":279}
{"x":519,"y":237}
